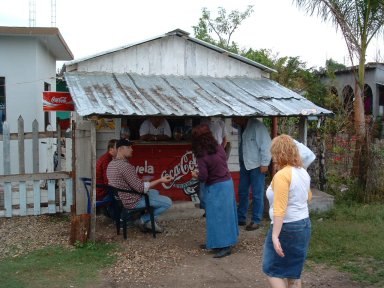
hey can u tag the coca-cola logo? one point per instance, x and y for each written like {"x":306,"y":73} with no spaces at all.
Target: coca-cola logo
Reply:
{"x":61,"y":100}
{"x":184,"y":167}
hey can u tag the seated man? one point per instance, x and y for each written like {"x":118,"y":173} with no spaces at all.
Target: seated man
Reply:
{"x":101,"y":169}
{"x":155,"y":129}
{"x":122,"y":174}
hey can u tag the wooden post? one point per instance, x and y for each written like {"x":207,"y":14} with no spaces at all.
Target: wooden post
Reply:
{"x":68,"y":167}
{"x":59,"y":194}
{"x":92,"y":235}
{"x":80,"y":222}
{"x":22,"y":184}
{"x":35,"y":152}
{"x":7,"y":169}
{"x":79,"y":228}
{"x":275,"y":128}
{"x":303,"y":126}
{"x":51,"y":168}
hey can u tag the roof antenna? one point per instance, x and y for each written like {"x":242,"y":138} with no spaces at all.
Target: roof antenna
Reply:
{"x":32,"y":13}
{"x":53,"y":13}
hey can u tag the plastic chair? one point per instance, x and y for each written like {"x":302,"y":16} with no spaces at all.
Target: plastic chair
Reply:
{"x":126,"y":213}
{"x":87,"y":185}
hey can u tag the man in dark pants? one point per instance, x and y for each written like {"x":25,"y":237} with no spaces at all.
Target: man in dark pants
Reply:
{"x":254,"y":159}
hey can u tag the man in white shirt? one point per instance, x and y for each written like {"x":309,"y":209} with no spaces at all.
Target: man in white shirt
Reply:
{"x":218,"y":129}
{"x":155,"y":129}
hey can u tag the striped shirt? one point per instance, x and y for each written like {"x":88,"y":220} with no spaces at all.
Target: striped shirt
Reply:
{"x":122,"y":174}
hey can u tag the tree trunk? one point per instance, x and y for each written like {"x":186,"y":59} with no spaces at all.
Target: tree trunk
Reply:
{"x":359,"y":168}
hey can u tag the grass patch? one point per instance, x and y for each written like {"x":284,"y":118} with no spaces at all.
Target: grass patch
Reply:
{"x":57,"y":266}
{"x":351,"y":238}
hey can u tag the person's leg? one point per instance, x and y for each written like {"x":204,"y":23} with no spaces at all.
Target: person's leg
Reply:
{"x":242,"y":208}
{"x":277,"y":282}
{"x":294,"y":283}
{"x":159,"y":202}
{"x":257,"y":184}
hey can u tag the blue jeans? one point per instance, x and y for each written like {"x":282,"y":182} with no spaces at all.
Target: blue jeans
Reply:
{"x":159,"y":202}
{"x":251,"y":179}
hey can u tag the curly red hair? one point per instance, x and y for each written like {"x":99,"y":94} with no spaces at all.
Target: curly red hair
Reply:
{"x":285,"y":152}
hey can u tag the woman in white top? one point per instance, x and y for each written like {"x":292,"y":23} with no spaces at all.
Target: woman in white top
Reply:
{"x":287,"y":241}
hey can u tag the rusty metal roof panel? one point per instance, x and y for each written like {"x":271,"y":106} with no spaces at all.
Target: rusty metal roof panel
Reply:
{"x":132,"y":94}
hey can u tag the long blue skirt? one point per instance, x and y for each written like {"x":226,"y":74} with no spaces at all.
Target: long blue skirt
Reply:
{"x":221,"y":215}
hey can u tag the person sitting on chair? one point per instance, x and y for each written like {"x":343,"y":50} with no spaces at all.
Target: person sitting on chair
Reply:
{"x":155,"y":129}
{"x":122,"y":174}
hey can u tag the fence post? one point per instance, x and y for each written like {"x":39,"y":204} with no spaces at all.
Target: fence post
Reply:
{"x":92,"y":233}
{"x":21,"y":150}
{"x":50,"y":168}
{"x":7,"y":169}
{"x":36,"y":168}
{"x":59,"y":194}
{"x":68,"y":182}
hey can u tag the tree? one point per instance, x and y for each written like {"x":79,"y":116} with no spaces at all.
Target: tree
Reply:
{"x":262,"y":56}
{"x":332,"y":65}
{"x":359,"y":21}
{"x":223,"y":26}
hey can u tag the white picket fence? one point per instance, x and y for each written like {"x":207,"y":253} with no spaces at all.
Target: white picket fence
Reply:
{"x":36,"y":192}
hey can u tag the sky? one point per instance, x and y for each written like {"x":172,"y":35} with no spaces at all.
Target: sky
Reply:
{"x":92,"y":26}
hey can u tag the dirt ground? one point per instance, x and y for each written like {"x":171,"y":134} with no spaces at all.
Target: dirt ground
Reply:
{"x":173,"y":259}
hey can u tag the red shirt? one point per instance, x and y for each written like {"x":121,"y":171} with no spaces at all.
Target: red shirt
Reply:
{"x":101,"y":174}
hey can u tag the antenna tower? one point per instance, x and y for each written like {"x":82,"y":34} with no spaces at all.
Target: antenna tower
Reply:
{"x":53,"y":13}
{"x":32,"y":13}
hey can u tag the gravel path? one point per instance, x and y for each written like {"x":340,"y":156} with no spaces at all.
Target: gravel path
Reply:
{"x":173,"y":259}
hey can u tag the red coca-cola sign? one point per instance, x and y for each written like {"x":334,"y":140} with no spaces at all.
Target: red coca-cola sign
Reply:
{"x":57,"y":101}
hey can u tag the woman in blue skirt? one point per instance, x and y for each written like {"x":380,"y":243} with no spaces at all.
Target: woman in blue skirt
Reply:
{"x":287,"y":241}
{"x":220,"y":204}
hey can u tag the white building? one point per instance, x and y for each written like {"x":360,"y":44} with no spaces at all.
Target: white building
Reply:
{"x":28,"y":58}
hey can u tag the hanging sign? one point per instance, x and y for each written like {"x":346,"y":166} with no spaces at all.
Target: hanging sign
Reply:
{"x":57,"y":101}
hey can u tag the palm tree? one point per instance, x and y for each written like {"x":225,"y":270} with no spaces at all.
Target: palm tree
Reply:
{"x":359,"y":21}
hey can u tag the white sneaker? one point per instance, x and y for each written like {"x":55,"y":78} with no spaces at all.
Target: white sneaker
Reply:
{"x":158,"y":228}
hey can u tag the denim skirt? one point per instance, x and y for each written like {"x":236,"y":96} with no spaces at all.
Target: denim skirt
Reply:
{"x":221,"y":215}
{"x":294,"y":240}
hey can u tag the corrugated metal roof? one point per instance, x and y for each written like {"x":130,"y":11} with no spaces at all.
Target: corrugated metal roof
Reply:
{"x":132,"y":94}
